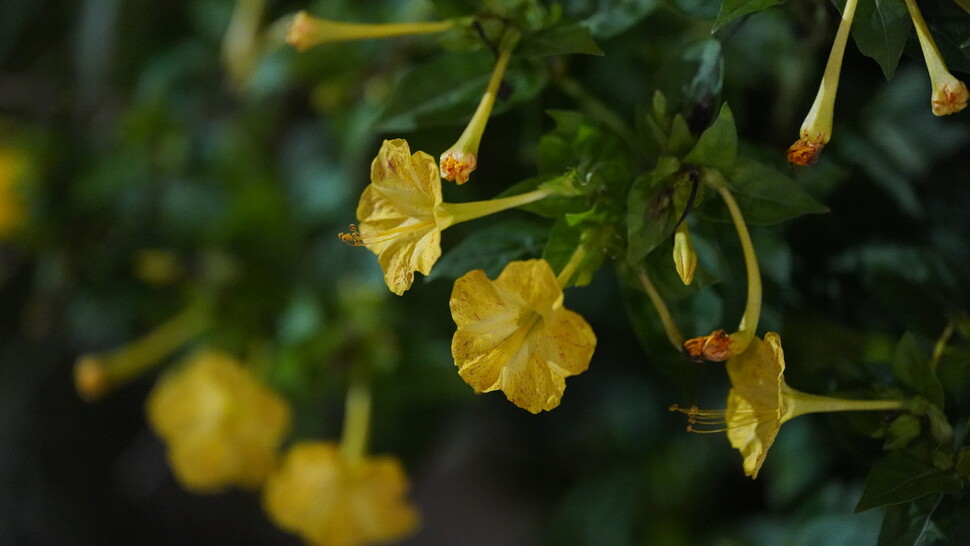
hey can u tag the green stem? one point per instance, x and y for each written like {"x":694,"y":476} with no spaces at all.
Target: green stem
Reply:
{"x":752,"y":308}
{"x":940,"y":345}
{"x":571,"y":266}
{"x":357,"y":415}
{"x":455,"y":213}
{"x":670,"y":327}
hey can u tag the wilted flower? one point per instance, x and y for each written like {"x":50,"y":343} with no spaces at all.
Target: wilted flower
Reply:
{"x":949,"y":94}
{"x":331,"y":500}
{"x":458,"y":162}
{"x":759,"y":402}
{"x":402,"y":215}
{"x":307,"y":31}
{"x":817,"y":128}
{"x":514,"y":335}
{"x":222,"y":427}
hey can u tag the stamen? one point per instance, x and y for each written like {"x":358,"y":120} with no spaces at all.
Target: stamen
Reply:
{"x":353,"y":238}
{"x":356,"y":238}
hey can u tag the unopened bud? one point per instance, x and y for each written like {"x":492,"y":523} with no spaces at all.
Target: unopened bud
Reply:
{"x":685,"y":258}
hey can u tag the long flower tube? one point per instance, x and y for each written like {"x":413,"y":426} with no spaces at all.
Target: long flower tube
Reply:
{"x":816,"y":130}
{"x":458,"y":162}
{"x":307,"y":31}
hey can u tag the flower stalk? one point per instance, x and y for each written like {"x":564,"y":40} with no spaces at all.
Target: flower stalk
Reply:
{"x":670,"y":327}
{"x":571,"y":266}
{"x":949,"y":94}
{"x":98,"y":373}
{"x":307,"y":31}
{"x":459,"y":161}
{"x":816,"y":130}
{"x":357,"y":415}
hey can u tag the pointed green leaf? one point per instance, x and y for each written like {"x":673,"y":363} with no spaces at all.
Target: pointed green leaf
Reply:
{"x":562,"y":40}
{"x":900,"y":477}
{"x":912,"y":367}
{"x":491,"y":248}
{"x":718,"y":145}
{"x":881,"y":29}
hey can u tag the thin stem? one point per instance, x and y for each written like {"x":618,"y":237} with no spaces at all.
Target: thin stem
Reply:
{"x":752,"y":309}
{"x":357,"y":415}
{"x":670,"y":327}
{"x":462,"y":212}
{"x":571,"y":266}
{"x":940,"y":345}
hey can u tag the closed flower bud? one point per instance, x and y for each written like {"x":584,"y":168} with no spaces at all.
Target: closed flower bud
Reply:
{"x":685,"y":258}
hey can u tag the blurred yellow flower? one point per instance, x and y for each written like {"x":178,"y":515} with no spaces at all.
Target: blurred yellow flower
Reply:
{"x":760,"y":401}
{"x":330,"y":500}
{"x":307,"y":31}
{"x":402,"y":215}
{"x":515,"y":335}
{"x":222,"y":427}
{"x":11,"y":202}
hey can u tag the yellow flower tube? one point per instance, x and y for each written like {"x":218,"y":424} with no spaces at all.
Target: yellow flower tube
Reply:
{"x":949,"y":94}
{"x":307,"y":31}
{"x":817,"y":128}
{"x":760,"y":401}
{"x":458,"y":162}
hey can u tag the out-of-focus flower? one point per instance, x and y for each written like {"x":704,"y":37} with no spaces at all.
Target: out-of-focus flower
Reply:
{"x":402,"y":215}
{"x":514,"y":335}
{"x":332,"y":500}
{"x":817,"y":128}
{"x":949,"y":94}
{"x":242,"y":45}
{"x":760,"y":401}
{"x":11,"y":201}
{"x":222,"y":427}
{"x":307,"y":31}
{"x":458,"y":162}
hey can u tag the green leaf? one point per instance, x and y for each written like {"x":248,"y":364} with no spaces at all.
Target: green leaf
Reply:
{"x":718,"y":145}
{"x":765,"y":196}
{"x":562,"y":40}
{"x":447,"y":89}
{"x":491,"y":249}
{"x":900,"y":477}
{"x":650,"y":211}
{"x":910,"y":524}
{"x":881,"y":29}
{"x":732,"y":9}
{"x":612,"y":17}
{"x":912,"y":367}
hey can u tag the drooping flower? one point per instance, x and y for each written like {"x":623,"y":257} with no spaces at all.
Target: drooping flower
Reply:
{"x":307,"y":31}
{"x":333,"y":501}
{"x":222,"y":427}
{"x":760,"y":401}
{"x":458,"y":162}
{"x":949,"y":94}
{"x":817,"y":128}
{"x":401,"y":213}
{"x":514,"y":335}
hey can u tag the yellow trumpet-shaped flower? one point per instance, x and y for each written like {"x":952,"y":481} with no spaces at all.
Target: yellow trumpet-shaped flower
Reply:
{"x":949,"y":94}
{"x":760,"y":401}
{"x":402,"y":215}
{"x":514,"y":335}
{"x":333,"y":501}
{"x":222,"y":427}
{"x":817,"y":128}
{"x":307,"y":31}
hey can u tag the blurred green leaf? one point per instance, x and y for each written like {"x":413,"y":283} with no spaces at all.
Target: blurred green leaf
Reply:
{"x":612,"y":17}
{"x":900,"y":477}
{"x":490,"y":249}
{"x":560,"y":40}
{"x":732,"y":9}
{"x":911,"y":524}
{"x":650,"y":211}
{"x":912,"y":367}
{"x":880,"y":29}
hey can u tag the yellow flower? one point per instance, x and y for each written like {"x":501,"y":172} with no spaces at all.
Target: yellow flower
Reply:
{"x":515,"y":335}
{"x":307,"y":31}
{"x":402,"y":215}
{"x":760,"y":401}
{"x":817,"y":128}
{"x":330,"y":500}
{"x":11,"y":202}
{"x":222,"y":427}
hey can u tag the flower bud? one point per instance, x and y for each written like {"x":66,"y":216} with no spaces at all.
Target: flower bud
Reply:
{"x":685,"y":258}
